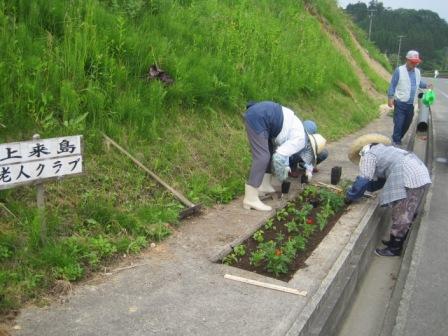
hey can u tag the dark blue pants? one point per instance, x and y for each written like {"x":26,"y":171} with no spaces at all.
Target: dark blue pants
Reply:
{"x":403,"y":115}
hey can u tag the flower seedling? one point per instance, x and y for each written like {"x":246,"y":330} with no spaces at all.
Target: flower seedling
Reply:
{"x":256,"y":257}
{"x":269,"y":224}
{"x":258,"y":236}
{"x":292,"y":226}
{"x":232,"y":258}
{"x":281,"y":215}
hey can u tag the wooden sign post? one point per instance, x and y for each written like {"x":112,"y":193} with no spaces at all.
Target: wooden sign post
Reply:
{"x":39,"y":161}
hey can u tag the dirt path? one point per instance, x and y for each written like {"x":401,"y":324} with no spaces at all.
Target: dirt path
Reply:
{"x":379,"y":69}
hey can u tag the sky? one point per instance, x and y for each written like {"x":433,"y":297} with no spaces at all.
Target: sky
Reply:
{"x":438,"y":6}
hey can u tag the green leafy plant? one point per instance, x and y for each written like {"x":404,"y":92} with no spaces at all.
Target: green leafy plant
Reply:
{"x":232,"y":258}
{"x":292,"y":226}
{"x":269,"y":224}
{"x":258,"y":236}
{"x":281,"y":214}
{"x":257,"y":257}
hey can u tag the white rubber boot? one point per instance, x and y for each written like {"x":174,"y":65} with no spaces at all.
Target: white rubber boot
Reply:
{"x":266,"y":186}
{"x":251,"y":200}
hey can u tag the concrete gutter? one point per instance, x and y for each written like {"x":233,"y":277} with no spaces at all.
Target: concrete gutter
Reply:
{"x":327,"y":305}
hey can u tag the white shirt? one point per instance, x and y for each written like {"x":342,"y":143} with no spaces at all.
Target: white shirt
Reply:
{"x":291,"y":138}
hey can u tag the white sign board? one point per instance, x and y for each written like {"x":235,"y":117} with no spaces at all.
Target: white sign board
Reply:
{"x":31,"y":161}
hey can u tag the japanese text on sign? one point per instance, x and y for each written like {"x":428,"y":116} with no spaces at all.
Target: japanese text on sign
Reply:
{"x":28,"y":161}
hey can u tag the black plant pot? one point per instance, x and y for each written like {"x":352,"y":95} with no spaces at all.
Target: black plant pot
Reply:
{"x":336,"y":173}
{"x":285,"y":187}
{"x":303,"y":179}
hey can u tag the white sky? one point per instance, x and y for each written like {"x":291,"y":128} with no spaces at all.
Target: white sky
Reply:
{"x":438,"y":6}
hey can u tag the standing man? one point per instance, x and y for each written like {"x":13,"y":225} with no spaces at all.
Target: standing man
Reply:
{"x":401,"y":94}
{"x":275,"y":132}
{"x":436,"y":73}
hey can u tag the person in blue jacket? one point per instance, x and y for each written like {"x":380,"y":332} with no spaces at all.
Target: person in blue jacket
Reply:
{"x":400,"y":174}
{"x":405,"y":82}
{"x":275,"y":133}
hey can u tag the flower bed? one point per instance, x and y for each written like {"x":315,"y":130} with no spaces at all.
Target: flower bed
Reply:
{"x":280,"y":247}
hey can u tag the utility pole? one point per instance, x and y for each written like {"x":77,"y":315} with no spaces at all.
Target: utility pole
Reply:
{"x":371,"y":11}
{"x":399,"y":48}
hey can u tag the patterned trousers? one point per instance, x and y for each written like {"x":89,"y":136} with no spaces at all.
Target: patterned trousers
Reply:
{"x":403,"y":211}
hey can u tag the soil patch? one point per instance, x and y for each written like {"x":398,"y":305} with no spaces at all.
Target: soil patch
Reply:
{"x":281,"y":246}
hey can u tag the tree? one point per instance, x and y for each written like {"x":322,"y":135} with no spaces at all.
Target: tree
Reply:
{"x":425,"y":31}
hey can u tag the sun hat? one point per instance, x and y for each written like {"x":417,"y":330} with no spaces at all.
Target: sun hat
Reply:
{"x":359,"y":143}
{"x":310,"y":126}
{"x":318,"y":143}
{"x":413,"y":56}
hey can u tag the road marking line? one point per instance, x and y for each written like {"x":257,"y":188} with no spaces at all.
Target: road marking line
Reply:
{"x":446,"y":95}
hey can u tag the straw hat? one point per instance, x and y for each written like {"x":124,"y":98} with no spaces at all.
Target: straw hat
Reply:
{"x":359,"y":143}
{"x":318,"y":143}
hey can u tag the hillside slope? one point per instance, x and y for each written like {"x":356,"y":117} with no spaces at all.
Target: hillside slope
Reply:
{"x":82,"y":68}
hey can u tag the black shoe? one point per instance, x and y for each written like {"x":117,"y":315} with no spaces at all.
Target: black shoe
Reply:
{"x":391,"y":238}
{"x":388,"y":252}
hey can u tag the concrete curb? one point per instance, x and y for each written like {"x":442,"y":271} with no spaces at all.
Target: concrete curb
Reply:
{"x":323,"y":311}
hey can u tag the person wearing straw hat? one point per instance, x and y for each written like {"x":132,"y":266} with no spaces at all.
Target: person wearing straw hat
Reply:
{"x":404,"y":84}
{"x":275,"y":133}
{"x":400,"y":174}
{"x":296,"y":161}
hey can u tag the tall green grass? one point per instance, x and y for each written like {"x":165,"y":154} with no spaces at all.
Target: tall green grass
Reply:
{"x":80,"y":66}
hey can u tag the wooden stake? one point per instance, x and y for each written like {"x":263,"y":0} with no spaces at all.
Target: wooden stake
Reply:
{"x":266,"y":285}
{"x":339,"y":189}
{"x":40,"y":200}
{"x":329,"y":186}
{"x":177,"y":194}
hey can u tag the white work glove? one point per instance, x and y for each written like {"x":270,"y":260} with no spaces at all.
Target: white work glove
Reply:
{"x":309,"y":172}
{"x":280,"y":165}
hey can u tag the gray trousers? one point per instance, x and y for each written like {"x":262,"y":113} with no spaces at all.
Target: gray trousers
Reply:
{"x":262,"y":150}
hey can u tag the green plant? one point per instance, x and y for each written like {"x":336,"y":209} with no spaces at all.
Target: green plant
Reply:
{"x":310,"y":191}
{"x":257,"y":257}
{"x":335,"y":200}
{"x":292,"y":226}
{"x":258,"y":236}
{"x":239,"y":250}
{"x":69,"y":272}
{"x":324,"y":214}
{"x":281,"y":214}
{"x":5,"y":252}
{"x":233,"y":257}
{"x":269,"y":224}
{"x":279,"y":237}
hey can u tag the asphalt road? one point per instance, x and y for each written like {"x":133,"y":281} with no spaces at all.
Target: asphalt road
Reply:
{"x":424,"y":305}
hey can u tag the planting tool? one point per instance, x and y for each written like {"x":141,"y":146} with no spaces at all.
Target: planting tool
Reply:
{"x":191,"y":207}
{"x":266,"y":285}
{"x":338,"y":189}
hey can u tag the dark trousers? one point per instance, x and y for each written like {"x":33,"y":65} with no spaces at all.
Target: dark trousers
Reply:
{"x":403,"y":115}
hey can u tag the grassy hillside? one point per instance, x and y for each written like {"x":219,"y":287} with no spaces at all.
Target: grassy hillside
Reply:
{"x":81,"y":67}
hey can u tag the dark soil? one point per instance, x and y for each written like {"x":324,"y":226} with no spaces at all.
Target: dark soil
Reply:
{"x":299,"y":262}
